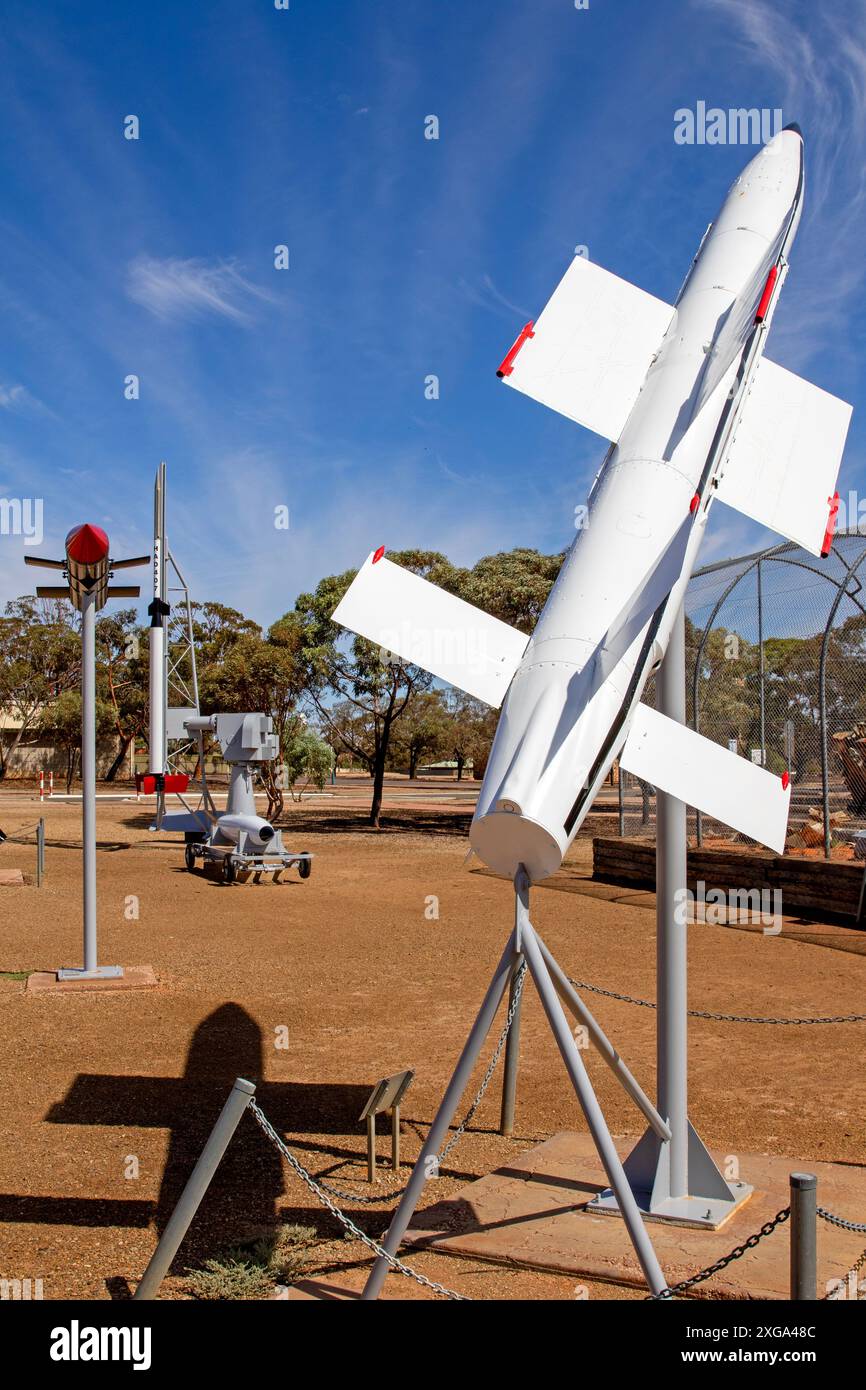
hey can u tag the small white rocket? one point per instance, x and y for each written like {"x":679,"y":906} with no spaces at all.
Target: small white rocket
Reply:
{"x":695,"y":412}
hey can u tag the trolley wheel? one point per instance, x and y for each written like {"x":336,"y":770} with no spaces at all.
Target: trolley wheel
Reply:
{"x":229,"y":873}
{"x":189,"y":857}
{"x":305,"y":868}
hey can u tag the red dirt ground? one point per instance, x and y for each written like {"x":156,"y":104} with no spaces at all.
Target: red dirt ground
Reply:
{"x":357,"y":975}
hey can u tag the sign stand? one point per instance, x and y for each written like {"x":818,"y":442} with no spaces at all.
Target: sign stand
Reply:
{"x":386,"y":1095}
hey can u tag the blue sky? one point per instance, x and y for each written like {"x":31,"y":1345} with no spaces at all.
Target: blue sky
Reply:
{"x":408,"y":257}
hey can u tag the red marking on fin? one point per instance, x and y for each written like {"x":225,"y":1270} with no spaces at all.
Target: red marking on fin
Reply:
{"x":833,"y":503}
{"x":506,"y":366}
{"x":379,"y":553}
{"x":694,"y":504}
{"x":767,"y":295}
{"x":785,"y":780}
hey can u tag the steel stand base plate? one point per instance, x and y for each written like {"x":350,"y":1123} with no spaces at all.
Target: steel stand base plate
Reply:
{"x":102,"y":972}
{"x":710,"y":1202}
{"x":700,"y":1212}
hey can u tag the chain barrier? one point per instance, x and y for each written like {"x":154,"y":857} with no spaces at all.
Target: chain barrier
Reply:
{"x":844,"y":1282}
{"x":15,"y":838}
{"x":736,"y":1254}
{"x":324,"y":1191}
{"x":718,"y":1018}
{"x":397,"y":1265}
{"x":840,"y":1221}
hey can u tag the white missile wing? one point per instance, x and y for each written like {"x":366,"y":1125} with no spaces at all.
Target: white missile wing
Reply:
{"x":422,"y":624}
{"x":587,"y":357}
{"x":588,"y":353}
{"x":785,"y":454}
{"x":692,"y":768}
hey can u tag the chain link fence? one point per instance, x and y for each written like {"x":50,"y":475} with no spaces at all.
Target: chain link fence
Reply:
{"x":776,"y":671}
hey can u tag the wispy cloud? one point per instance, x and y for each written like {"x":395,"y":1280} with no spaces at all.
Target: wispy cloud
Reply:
{"x":13,"y":397}
{"x":189,"y":289}
{"x":817,"y":55}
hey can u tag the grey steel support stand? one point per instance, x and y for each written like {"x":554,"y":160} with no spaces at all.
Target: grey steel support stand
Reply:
{"x":91,"y":969}
{"x":674,"y":1179}
{"x":804,"y":1236}
{"x":521,"y":941}
{"x":197,"y":1185}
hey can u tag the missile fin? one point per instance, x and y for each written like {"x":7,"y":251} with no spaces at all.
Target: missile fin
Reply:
{"x":588,"y":353}
{"x":44,"y":564}
{"x":692,"y":768}
{"x":784,"y":458}
{"x":130,"y":563}
{"x":422,"y":624}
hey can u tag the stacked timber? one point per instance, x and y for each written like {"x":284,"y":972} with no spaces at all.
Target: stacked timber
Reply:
{"x":816,"y":888}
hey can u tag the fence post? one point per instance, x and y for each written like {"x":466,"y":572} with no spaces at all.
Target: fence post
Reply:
{"x":197,"y":1185}
{"x":40,"y":852}
{"x":804,"y":1237}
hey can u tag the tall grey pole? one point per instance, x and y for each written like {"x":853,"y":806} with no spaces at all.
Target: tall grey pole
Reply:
{"x":761,"y":681}
{"x":88,"y":776}
{"x":804,"y":1236}
{"x":197,"y":1185}
{"x":671,"y":938}
{"x":91,"y":970}
{"x":40,"y":853}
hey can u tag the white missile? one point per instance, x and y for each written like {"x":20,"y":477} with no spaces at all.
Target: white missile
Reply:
{"x":694,"y":412}
{"x":259,"y":832}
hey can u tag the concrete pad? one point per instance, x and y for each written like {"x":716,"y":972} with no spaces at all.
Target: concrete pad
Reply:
{"x":348,"y":1286}
{"x":534,"y":1213}
{"x":134,"y":977}
{"x":11,"y":878}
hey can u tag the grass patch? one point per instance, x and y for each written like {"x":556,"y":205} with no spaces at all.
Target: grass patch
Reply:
{"x":15,"y":974}
{"x":250,"y":1269}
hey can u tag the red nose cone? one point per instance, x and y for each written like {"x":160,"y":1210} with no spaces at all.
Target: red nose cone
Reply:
{"x":87,"y":544}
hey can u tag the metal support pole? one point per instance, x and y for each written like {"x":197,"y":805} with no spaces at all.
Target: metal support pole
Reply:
{"x":761,"y":681}
{"x":621,"y":799}
{"x":671,"y":938}
{"x":804,"y":1237}
{"x":40,"y":853}
{"x":570,"y":1053}
{"x":197,"y":1185}
{"x":395,"y":1138}
{"x":90,"y":970}
{"x":569,"y":996}
{"x":512,"y":1056}
{"x":371,"y":1149}
{"x":427,"y":1162}
{"x":88,"y":776}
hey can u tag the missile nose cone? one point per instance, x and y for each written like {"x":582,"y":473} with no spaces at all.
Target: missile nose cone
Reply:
{"x":794,"y":128}
{"x":87,"y":544}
